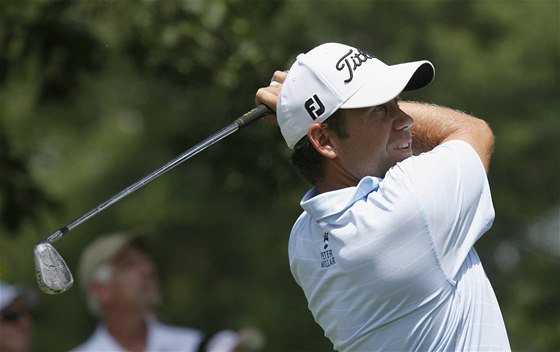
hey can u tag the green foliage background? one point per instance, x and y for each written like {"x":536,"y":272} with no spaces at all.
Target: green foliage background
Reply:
{"x":96,"y":94}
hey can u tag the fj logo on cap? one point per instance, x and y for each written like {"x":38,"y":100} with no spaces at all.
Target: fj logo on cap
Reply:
{"x":352,"y":60}
{"x":314,"y":107}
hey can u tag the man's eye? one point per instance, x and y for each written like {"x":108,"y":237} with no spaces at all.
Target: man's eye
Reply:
{"x":379,"y":108}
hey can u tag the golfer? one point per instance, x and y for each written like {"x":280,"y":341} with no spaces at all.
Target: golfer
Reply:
{"x":384,"y":248}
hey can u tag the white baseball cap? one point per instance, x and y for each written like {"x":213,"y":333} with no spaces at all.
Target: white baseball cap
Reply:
{"x":103,"y":251}
{"x":334,"y":76}
{"x":9,"y":293}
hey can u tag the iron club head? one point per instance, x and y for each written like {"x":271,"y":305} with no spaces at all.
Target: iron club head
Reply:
{"x":53,"y":275}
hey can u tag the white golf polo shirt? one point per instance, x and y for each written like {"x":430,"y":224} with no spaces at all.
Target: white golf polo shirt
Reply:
{"x":390,"y":264}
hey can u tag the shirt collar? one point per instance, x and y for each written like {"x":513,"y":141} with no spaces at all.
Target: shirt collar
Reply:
{"x":320,"y":206}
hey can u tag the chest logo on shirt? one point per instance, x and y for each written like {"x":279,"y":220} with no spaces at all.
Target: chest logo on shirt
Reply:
{"x":327,"y":256}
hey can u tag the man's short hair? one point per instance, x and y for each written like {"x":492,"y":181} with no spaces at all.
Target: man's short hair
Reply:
{"x":307,"y":161}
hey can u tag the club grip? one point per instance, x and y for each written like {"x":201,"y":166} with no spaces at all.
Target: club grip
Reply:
{"x":253,"y":115}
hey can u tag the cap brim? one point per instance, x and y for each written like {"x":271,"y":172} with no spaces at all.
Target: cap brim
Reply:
{"x":104,"y":250}
{"x":12,"y":292}
{"x":387,"y":84}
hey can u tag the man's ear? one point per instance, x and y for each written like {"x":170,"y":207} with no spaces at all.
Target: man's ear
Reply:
{"x":321,"y":140}
{"x":100,"y":292}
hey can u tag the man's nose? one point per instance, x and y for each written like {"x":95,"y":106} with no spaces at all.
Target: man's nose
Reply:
{"x":403,"y":121}
{"x":149,"y":267}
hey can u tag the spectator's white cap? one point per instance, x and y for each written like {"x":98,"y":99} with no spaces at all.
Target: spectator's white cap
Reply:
{"x":333,"y":76}
{"x":103,"y":251}
{"x":9,"y":293}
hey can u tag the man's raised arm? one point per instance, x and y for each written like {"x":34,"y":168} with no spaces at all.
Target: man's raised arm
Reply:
{"x":434,"y":125}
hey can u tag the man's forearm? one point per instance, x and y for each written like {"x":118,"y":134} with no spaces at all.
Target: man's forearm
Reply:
{"x":434,"y":125}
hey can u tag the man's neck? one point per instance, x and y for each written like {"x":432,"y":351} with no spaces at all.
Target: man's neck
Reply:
{"x":334,"y":177}
{"x":129,"y":329}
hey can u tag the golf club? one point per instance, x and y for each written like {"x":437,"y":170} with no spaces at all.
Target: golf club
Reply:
{"x":53,"y":275}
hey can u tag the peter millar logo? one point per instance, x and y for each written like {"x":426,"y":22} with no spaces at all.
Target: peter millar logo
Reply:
{"x":351,"y":61}
{"x":327,"y":256}
{"x":314,"y":107}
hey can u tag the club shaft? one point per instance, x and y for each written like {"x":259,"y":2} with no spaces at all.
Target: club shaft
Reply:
{"x":241,"y":122}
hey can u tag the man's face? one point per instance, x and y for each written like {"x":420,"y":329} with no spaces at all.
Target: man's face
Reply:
{"x":16,"y":328}
{"x":379,"y":137}
{"x":133,"y":281}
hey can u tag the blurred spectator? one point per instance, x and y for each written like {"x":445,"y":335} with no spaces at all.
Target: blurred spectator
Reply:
{"x":122,"y":290}
{"x":16,"y":323}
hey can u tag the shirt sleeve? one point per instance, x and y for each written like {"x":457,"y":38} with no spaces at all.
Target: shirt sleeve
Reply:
{"x":452,"y":189}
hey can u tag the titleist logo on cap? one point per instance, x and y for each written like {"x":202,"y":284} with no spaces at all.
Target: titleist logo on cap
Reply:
{"x":351,"y":61}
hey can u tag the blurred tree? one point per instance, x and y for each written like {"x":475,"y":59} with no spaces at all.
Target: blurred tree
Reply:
{"x":21,"y":197}
{"x":96,"y":94}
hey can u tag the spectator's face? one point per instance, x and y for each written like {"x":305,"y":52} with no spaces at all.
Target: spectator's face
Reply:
{"x":16,"y":328}
{"x":133,"y":282}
